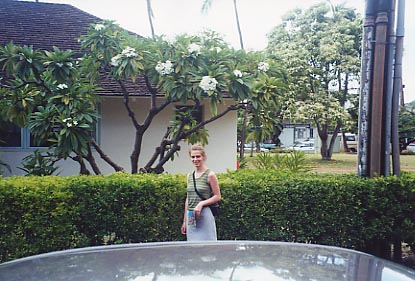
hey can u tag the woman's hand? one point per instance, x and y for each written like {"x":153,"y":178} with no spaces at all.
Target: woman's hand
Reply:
{"x":198,"y":210}
{"x":183,"y":229}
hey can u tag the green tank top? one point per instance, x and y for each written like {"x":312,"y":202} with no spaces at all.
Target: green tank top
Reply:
{"x":202,"y":186}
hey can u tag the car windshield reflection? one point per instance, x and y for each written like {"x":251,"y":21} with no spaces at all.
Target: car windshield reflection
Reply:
{"x":223,"y":260}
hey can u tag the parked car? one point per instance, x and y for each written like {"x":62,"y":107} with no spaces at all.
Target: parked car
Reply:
{"x":307,"y":146}
{"x":411,"y":146}
{"x":249,"y":147}
{"x":351,"y":141}
{"x":208,"y":260}
{"x":268,"y":145}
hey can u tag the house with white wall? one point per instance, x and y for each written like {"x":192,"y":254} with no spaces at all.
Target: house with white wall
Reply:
{"x":45,"y":25}
{"x":293,"y":133}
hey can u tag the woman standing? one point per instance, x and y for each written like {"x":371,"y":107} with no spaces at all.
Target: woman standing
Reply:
{"x":198,"y":220}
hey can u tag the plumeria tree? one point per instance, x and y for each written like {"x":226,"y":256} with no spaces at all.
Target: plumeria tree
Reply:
{"x":45,"y":91}
{"x":192,"y":69}
{"x":320,"y":48}
{"x":57,"y":100}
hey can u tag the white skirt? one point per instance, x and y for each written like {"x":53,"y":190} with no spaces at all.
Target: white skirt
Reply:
{"x":205,"y":229}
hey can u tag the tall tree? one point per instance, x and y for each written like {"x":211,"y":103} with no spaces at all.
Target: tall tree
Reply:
{"x":320,"y":48}
{"x":208,"y":3}
{"x":407,"y":125}
{"x":150,"y":15}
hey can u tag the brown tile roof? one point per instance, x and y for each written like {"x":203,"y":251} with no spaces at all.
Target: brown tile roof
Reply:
{"x":44,"y":25}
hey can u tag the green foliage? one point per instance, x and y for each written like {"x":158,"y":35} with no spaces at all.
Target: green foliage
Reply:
{"x":264,"y":161}
{"x":3,"y":165}
{"x":128,"y":208}
{"x":294,"y":161}
{"x":406,"y":124}
{"x":243,"y":163}
{"x":47,"y":92}
{"x":42,"y":214}
{"x":52,"y":92}
{"x":320,"y":49}
{"x":407,"y":152}
{"x":35,"y":217}
{"x":326,"y":209}
{"x":37,"y":164}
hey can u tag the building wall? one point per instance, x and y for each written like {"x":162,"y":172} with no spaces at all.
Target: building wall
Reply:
{"x":117,"y":134}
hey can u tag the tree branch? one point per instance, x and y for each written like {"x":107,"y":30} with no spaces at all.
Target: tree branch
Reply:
{"x":201,"y":124}
{"x":105,"y":157}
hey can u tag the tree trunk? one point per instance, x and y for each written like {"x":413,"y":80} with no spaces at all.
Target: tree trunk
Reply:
{"x":327,"y":144}
{"x":243,"y":133}
{"x":135,"y":155}
{"x":83,"y":170}
{"x":91,"y":160}
{"x":324,"y":149}
{"x":344,"y":141}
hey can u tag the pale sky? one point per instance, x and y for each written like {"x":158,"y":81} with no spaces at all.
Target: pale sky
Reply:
{"x":257,"y":18}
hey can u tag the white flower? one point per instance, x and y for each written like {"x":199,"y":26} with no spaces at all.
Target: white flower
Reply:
{"x":62,"y":86}
{"x":164,"y":68}
{"x":129,"y":52}
{"x":208,"y":83}
{"x":59,"y":64}
{"x":194,"y":49}
{"x":99,"y":26}
{"x":237,"y":73}
{"x":263,"y":66}
{"x":70,"y":122}
{"x":115,"y":61}
{"x":217,"y":49}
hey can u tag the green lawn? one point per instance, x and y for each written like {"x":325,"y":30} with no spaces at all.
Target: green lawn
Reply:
{"x":344,"y":162}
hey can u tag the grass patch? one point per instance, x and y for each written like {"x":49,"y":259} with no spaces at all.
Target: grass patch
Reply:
{"x":340,"y":163}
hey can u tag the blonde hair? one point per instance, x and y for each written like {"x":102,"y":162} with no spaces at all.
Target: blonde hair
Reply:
{"x":197,"y":147}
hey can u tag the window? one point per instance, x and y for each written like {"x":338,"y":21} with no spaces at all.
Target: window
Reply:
{"x":350,"y":138}
{"x":10,"y":135}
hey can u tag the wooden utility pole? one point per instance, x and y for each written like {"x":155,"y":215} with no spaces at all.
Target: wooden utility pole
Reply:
{"x":378,"y":81}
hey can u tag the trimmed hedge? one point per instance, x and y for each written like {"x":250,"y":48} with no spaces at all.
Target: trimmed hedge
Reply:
{"x":43,"y":214}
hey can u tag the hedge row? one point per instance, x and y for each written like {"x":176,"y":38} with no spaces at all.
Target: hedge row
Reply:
{"x":43,"y":214}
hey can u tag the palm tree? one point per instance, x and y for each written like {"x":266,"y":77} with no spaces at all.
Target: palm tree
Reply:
{"x":208,"y":3}
{"x":150,"y":17}
{"x":205,"y":6}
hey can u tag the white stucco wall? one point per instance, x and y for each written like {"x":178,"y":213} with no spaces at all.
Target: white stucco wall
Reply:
{"x":117,"y":139}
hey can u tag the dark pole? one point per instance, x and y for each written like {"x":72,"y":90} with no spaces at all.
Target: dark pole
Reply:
{"x":390,"y":50}
{"x":397,"y":87}
{"x":365,"y":87}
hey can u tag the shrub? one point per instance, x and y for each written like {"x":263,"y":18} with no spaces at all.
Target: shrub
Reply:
{"x":407,"y":152}
{"x":35,"y":216}
{"x":43,"y":214}
{"x":294,"y":161}
{"x":38,"y":164}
